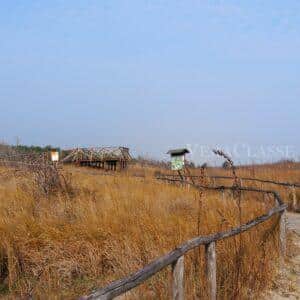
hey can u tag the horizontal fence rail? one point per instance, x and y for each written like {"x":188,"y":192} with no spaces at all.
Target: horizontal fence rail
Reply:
{"x":287,"y":184}
{"x":175,"y":258}
{"x":261,"y":181}
{"x":295,"y":206}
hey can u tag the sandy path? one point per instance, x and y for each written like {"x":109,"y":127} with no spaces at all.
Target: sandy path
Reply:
{"x":293,"y":222}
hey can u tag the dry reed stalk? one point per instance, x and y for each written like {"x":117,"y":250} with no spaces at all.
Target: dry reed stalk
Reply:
{"x":237,"y":194}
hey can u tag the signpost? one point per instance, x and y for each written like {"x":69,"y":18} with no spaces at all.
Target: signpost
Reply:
{"x":54,"y":156}
{"x":177,"y":163}
{"x":178,"y":158}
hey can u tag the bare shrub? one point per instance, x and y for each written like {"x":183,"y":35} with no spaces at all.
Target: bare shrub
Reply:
{"x":47,"y":177}
{"x":49,"y":180}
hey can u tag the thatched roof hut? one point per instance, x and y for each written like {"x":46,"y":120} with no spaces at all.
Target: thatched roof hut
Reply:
{"x":110,"y":158}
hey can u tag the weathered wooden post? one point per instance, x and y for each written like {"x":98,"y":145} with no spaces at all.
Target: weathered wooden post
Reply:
{"x":178,"y":279}
{"x":214,"y":182}
{"x":241,"y":192}
{"x":265,"y":197}
{"x":294,"y":197}
{"x":282,"y":232}
{"x":282,"y":235}
{"x":188,"y":187}
{"x":211,"y":270}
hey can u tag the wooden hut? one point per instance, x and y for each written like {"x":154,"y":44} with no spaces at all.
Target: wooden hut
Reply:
{"x":107,"y":158}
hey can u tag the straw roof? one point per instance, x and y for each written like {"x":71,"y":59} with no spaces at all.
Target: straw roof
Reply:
{"x":98,"y":154}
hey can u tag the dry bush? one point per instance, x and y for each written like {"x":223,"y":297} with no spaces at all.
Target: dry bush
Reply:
{"x":114,"y":225}
{"x":49,"y":180}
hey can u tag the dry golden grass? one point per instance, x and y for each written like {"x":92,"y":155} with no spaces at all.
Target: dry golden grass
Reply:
{"x":63,"y":246}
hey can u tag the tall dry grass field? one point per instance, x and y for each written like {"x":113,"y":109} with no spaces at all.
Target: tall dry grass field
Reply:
{"x":63,"y":245}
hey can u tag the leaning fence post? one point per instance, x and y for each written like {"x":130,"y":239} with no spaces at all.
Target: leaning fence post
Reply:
{"x":178,"y":279}
{"x":211,"y":270}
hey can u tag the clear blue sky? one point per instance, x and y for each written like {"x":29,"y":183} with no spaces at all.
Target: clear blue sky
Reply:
{"x":151,"y":75}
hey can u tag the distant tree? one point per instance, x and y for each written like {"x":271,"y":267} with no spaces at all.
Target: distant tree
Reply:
{"x":33,"y":149}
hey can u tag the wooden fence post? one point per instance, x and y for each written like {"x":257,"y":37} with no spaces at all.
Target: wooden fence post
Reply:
{"x":211,"y":270}
{"x":282,"y":235}
{"x":241,"y":192}
{"x":265,"y":197}
{"x":178,"y":279}
{"x":294,"y":196}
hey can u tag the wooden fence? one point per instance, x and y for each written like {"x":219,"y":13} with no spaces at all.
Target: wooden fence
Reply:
{"x":175,"y":258}
{"x":175,"y":176}
{"x":290,"y":185}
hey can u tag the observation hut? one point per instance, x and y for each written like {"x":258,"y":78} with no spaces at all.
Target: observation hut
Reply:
{"x":107,"y":158}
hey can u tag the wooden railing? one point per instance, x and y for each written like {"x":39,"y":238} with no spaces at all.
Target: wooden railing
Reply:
{"x":175,"y":258}
{"x":175,"y":176}
{"x":291,"y":185}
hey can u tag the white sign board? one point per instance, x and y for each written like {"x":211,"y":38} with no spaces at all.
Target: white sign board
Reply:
{"x":177,"y":162}
{"x":54,"y":156}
